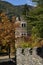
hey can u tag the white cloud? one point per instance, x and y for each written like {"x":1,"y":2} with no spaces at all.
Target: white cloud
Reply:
{"x":29,"y":2}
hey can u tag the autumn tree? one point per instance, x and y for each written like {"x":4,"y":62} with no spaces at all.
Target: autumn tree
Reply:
{"x":7,"y":30}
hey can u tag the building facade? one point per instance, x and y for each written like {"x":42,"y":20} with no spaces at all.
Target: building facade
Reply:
{"x":21,"y":30}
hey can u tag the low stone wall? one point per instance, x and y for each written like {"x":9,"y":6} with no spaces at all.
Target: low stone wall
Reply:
{"x":25,"y":57}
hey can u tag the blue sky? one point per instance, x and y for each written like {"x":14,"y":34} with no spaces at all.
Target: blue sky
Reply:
{"x":20,"y":2}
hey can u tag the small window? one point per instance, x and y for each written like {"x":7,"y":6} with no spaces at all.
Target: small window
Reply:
{"x":23,"y":34}
{"x":23,"y":25}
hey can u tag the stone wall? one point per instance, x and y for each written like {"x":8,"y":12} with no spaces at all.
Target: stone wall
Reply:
{"x":25,"y":57}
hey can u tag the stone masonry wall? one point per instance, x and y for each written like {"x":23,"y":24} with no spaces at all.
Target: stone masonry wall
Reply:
{"x":24,"y":57}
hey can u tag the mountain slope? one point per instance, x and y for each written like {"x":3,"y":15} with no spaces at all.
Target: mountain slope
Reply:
{"x":11,"y":9}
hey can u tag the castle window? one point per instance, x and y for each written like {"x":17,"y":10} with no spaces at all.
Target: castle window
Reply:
{"x":23,"y":25}
{"x":23,"y":34}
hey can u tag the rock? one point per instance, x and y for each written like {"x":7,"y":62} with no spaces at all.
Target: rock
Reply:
{"x":26,"y":59}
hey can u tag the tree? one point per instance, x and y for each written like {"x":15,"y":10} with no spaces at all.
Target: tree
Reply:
{"x":37,"y":15}
{"x":25,"y":10}
{"x":37,"y":23}
{"x":7,"y":30}
{"x":25,"y":14}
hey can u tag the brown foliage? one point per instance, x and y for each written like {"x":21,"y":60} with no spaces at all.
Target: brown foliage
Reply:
{"x":7,"y":29}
